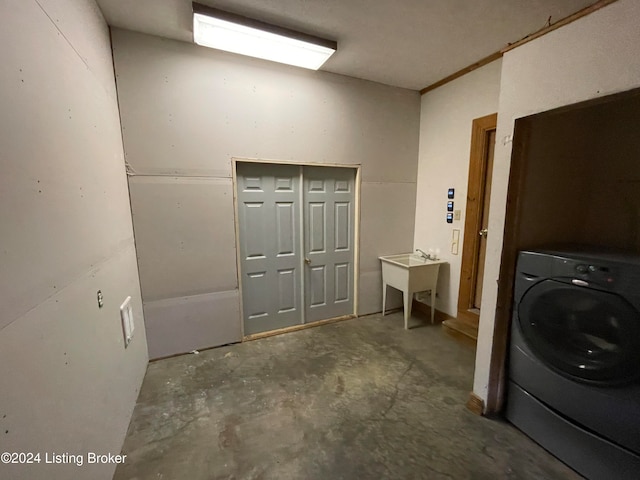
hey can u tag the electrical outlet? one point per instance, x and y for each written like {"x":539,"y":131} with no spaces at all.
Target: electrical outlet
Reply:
{"x":100,"y":299}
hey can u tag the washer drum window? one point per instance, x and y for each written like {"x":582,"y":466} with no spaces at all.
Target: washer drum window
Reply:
{"x":585,"y":334}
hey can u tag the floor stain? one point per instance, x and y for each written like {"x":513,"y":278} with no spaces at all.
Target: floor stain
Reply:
{"x":228,"y":438}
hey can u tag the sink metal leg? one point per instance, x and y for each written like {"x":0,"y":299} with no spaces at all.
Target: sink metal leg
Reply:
{"x":384,"y":298}
{"x":433,"y":305}
{"x":408,"y":300}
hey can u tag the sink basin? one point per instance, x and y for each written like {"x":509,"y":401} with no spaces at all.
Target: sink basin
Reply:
{"x":409,"y":273}
{"x":408,"y":260}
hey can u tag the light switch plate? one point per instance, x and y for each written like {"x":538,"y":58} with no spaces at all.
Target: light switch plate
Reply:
{"x":456,"y":214}
{"x":126,"y":315}
{"x":455,"y":241}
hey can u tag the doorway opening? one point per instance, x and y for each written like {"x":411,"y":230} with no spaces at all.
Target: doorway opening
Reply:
{"x":296,"y":241}
{"x":573,"y":180}
{"x":483,"y":137}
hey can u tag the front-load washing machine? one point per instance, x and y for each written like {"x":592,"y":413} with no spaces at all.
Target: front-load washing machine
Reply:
{"x":574,"y":362}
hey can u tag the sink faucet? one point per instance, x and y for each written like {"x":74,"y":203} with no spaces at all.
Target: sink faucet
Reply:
{"x":426,"y":256}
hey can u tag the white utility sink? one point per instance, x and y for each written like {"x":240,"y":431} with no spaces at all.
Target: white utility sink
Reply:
{"x":409,"y":273}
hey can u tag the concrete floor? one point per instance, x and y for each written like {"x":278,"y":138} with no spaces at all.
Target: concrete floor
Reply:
{"x":359,"y":399}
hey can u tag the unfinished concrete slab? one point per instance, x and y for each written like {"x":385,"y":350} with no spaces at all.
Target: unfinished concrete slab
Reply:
{"x":357,"y":399}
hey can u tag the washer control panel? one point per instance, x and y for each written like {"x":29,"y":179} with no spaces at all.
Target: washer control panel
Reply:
{"x":594,"y":273}
{"x":584,"y":268}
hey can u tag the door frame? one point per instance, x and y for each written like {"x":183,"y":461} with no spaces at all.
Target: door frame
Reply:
{"x":356,"y":235}
{"x":473,"y":214}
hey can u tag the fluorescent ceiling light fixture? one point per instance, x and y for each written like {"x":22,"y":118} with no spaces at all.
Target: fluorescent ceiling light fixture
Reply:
{"x":233,"y":33}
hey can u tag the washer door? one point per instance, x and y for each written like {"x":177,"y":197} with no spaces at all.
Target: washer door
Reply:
{"x":585,"y":334}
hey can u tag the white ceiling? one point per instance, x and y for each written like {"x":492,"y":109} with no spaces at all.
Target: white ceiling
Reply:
{"x":405,"y":43}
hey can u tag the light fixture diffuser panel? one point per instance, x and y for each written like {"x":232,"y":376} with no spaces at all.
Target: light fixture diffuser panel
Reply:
{"x":231,"y":37}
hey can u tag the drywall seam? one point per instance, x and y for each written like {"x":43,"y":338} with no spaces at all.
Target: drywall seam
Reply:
{"x":73,"y":47}
{"x":126,"y":166}
{"x":123,"y":247}
{"x":170,"y":301}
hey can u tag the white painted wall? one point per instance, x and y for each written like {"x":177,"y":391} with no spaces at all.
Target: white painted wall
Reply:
{"x":68,"y":383}
{"x":187,"y":111}
{"x":446,"y":117}
{"x":592,"y":57}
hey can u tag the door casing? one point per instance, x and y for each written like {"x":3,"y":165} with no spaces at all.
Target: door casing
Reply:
{"x":356,"y":252}
{"x":473,"y":215}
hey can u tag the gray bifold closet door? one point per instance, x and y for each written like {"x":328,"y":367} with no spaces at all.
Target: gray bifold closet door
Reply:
{"x":296,"y":236}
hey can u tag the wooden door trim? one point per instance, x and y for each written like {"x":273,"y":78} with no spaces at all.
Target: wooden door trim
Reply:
{"x":236,"y":225}
{"x":532,"y":36}
{"x":295,"y":328}
{"x":473,"y":213}
{"x":502,"y":327}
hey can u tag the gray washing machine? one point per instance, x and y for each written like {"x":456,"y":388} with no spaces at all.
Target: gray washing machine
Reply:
{"x":574,"y":363}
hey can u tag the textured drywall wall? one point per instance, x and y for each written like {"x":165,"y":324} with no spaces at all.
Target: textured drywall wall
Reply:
{"x":446,"y":116}
{"x":589,"y":58}
{"x":68,"y":383}
{"x":187,"y":111}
